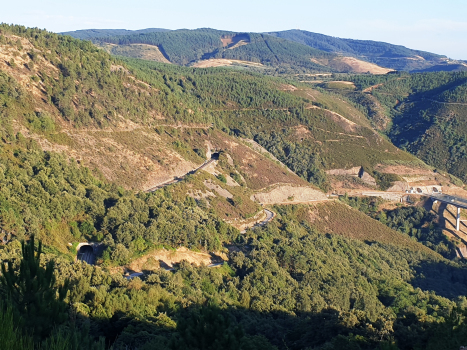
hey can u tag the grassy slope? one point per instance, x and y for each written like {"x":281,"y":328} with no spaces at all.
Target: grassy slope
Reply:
{"x":334,"y":217}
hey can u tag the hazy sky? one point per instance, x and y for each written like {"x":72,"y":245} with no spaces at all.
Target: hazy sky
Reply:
{"x":436,"y":26}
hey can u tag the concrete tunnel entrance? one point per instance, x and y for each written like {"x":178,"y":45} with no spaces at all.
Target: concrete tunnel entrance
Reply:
{"x":86,"y":253}
{"x":86,"y":249}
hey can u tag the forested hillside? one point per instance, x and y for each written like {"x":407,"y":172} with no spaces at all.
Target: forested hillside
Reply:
{"x":287,"y":120}
{"x":426,"y":113}
{"x":89,"y":34}
{"x":288,"y":49}
{"x":82,"y":134}
{"x":384,"y":54}
{"x":183,"y":47}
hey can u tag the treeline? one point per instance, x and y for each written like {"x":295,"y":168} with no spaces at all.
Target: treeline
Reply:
{"x":178,"y":46}
{"x":272,"y":51}
{"x":90,"y":34}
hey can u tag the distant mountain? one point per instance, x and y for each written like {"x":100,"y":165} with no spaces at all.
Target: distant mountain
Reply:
{"x":397,"y":57}
{"x":89,"y":34}
{"x":291,"y":49}
{"x":185,"y":47}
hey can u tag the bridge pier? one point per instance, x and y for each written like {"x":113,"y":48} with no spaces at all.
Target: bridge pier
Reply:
{"x":455,"y":201}
{"x":458,"y":221}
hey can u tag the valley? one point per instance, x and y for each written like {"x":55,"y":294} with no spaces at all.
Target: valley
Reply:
{"x":264,"y":186}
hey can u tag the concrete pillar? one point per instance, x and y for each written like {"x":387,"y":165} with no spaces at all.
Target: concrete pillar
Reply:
{"x":458,"y":218}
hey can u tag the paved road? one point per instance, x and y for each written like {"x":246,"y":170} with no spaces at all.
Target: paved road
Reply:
{"x":446,"y":103}
{"x":216,"y":264}
{"x":214,"y":157}
{"x":454,"y":200}
{"x":269,"y":216}
{"x":87,"y":255}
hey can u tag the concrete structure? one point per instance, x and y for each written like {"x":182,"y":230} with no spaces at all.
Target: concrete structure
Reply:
{"x":425,"y":190}
{"x":456,"y":201}
{"x":391,"y":196}
{"x":87,"y":251}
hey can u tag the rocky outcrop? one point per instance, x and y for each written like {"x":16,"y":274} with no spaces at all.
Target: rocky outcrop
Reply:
{"x":366,"y":178}
{"x":245,"y":224}
{"x":399,"y":186}
{"x":352,"y":171}
{"x":222,"y":192}
{"x":461,"y":251}
{"x":357,"y":171}
{"x":289,"y":194}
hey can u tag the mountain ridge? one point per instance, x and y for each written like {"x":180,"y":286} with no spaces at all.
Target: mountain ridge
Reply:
{"x":384,"y":54}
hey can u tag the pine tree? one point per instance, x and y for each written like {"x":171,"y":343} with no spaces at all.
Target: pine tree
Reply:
{"x":32,"y":291}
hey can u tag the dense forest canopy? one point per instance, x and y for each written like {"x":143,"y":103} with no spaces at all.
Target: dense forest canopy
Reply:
{"x":277,"y":291}
{"x":90,"y":34}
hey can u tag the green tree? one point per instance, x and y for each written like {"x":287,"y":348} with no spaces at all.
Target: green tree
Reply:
{"x":10,"y":335}
{"x":32,"y":291}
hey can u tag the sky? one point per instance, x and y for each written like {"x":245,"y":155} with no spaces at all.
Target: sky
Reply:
{"x":429,"y":25}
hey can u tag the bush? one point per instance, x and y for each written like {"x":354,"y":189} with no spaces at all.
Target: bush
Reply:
{"x":222,"y":178}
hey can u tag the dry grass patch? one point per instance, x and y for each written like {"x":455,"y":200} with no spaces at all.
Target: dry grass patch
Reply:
{"x":222,"y":62}
{"x":168,"y":259}
{"x":141,"y":51}
{"x":338,"y":218}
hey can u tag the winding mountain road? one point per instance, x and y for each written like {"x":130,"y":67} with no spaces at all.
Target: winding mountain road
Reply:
{"x":269,"y":217}
{"x":141,"y":274}
{"x":446,"y":103}
{"x":214,"y":157}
